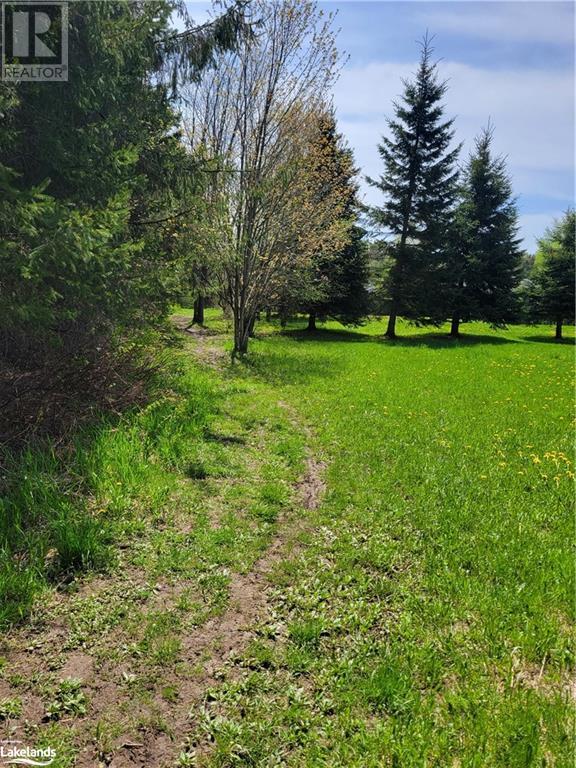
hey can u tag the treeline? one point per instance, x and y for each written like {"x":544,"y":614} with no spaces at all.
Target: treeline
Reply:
{"x":206,"y":161}
{"x":453,"y":250}
{"x":92,"y":172}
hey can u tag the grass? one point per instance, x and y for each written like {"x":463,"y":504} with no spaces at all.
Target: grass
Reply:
{"x":429,"y":619}
{"x":61,"y":511}
{"x":425,"y":620}
{"x":126,"y":552}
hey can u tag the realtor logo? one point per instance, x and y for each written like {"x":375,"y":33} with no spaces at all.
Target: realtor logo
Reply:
{"x":13,"y":754}
{"x":35,"y":42}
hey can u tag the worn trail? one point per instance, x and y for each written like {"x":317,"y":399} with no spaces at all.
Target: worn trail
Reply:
{"x":206,"y":651}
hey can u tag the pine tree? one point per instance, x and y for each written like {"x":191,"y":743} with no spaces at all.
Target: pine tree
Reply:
{"x":419,"y":183}
{"x":93,"y":175}
{"x":552,"y":294}
{"x":486,"y":259}
{"x":334,"y":280}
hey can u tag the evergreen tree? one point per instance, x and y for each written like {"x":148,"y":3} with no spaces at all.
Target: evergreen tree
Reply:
{"x":336,"y":275}
{"x":418,"y":182}
{"x":341,"y":279}
{"x":486,"y":260}
{"x":552,"y":293}
{"x":93,"y":174}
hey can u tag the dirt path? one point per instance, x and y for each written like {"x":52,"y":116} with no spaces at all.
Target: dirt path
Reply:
{"x":213,"y":645}
{"x":207,"y":353}
{"x":205,"y":653}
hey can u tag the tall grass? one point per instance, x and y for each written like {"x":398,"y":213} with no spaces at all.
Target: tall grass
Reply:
{"x":62,"y":509}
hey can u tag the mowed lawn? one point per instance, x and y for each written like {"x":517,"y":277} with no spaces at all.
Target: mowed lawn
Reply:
{"x":428,"y":615}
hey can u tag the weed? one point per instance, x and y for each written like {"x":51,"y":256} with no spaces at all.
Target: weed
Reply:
{"x":10,"y":708}
{"x":69,"y":699}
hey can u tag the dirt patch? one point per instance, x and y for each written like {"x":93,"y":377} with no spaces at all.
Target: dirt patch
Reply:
{"x":312,"y":486}
{"x":209,"y":354}
{"x":153,"y":727}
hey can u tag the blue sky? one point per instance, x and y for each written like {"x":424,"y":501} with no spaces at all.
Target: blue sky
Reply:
{"x":512,"y":62}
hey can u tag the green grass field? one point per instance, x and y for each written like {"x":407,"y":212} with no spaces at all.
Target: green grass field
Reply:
{"x":429,"y":617}
{"x":426,"y":617}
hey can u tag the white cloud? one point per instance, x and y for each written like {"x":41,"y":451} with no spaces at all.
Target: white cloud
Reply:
{"x":532,"y":111}
{"x":544,"y":22}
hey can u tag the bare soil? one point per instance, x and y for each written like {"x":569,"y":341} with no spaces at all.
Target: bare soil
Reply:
{"x":36,"y":651}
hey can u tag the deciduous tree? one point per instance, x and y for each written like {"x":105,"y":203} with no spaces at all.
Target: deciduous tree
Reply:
{"x":254,"y":115}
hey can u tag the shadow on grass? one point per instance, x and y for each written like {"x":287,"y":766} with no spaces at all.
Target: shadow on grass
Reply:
{"x":550,"y":340}
{"x":280,"y":367}
{"x":327,"y":334}
{"x":435,"y":339}
{"x":444,"y":341}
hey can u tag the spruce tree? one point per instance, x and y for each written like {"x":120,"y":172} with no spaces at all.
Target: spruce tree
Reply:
{"x":419,"y":183}
{"x":93,"y":177}
{"x":337,"y":273}
{"x":486,"y":259}
{"x":329,"y":275}
{"x":342,"y":278}
{"x":553,"y":279}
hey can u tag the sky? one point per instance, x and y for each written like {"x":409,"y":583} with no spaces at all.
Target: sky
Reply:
{"x":508,"y":62}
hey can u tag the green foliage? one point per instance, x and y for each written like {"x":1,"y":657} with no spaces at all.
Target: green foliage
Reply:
{"x":93,"y":175}
{"x":69,"y":699}
{"x":332,"y":282}
{"x":485,"y":264}
{"x":551,"y":294}
{"x":10,"y":708}
{"x":419,"y":184}
{"x":60,"y":515}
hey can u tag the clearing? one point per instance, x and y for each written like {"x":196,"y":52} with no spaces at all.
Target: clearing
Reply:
{"x":341,"y":552}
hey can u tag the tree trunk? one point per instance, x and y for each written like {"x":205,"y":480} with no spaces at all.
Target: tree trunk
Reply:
{"x":391,"y":330}
{"x":241,"y":335}
{"x":558,"y":334}
{"x":311,"y":322}
{"x":198,"y":317}
{"x":455,"y":327}
{"x":251,"y":325}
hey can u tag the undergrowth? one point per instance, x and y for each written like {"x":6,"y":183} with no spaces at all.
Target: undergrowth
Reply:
{"x":61,"y":508}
